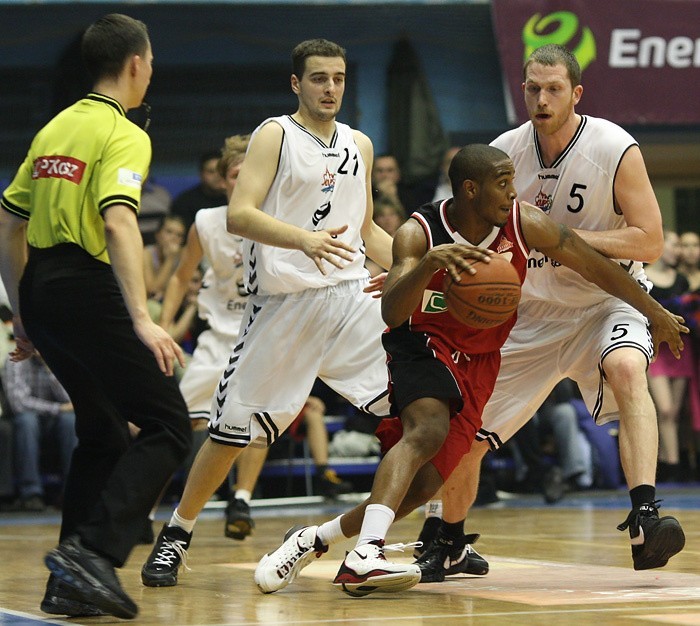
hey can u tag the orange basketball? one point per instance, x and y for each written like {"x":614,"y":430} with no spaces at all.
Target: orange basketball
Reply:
{"x":487,"y":298}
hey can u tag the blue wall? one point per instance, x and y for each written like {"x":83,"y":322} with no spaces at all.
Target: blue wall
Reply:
{"x":454,"y":41}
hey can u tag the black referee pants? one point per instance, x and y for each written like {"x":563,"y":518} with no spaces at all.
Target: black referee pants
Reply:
{"x":75,"y":315}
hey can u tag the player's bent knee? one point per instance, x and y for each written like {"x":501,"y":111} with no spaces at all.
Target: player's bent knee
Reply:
{"x":426,"y":442}
{"x":626,"y":369}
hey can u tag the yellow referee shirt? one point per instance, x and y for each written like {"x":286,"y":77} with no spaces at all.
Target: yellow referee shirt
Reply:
{"x":86,"y":159}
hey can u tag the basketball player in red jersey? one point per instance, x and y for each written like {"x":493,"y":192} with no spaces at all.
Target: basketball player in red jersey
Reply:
{"x":442,"y":372}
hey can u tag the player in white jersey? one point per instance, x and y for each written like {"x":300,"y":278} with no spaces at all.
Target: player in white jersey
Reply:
{"x":221,"y":302}
{"x":304,"y":207}
{"x":588,"y":174}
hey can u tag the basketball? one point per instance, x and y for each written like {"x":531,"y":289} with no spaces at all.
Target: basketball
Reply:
{"x":487,"y":298}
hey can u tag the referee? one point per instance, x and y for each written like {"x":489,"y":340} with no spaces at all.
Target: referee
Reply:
{"x":78,"y":295}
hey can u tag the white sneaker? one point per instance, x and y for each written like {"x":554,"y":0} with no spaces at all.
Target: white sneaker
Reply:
{"x":279,"y":568}
{"x":365,"y":570}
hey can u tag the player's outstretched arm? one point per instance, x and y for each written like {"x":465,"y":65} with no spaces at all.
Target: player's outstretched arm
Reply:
{"x":563,"y":245}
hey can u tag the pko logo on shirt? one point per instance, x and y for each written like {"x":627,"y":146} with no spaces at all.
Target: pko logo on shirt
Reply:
{"x":56,"y":166}
{"x":433,"y":302}
{"x":129,"y":178}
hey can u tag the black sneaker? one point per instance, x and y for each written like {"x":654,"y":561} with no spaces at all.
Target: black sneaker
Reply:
{"x":239,"y":523}
{"x":428,"y":533}
{"x":445,"y":557}
{"x":160,"y":568}
{"x":60,"y":599}
{"x":330,"y":485}
{"x":91,"y":577}
{"x":654,"y":540}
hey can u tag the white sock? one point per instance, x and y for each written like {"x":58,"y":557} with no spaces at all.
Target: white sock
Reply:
{"x":243,"y":494}
{"x":433,"y":508}
{"x":186,"y":524}
{"x":330,"y":532}
{"x":375,"y":524}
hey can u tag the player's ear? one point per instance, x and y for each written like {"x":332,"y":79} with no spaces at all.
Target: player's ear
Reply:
{"x":470,"y":188}
{"x":578,"y":92}
{"x":295,"y":83}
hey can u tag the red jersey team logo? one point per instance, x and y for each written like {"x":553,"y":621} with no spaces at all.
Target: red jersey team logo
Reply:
{"x":504,"y":245}
{"x":56,"y":166}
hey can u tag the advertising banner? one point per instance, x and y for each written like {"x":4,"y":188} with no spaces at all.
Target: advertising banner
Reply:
{"x":640,"y":58}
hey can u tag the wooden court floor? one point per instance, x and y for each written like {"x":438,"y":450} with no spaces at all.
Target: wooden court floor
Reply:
{"x":563,"y":564}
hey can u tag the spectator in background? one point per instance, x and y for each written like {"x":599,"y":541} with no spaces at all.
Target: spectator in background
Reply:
{"x":386,"y":182}
{"x":388,"y":214}
{"x":443,"y":189}
{"x":669,"y":377}
{"x":311,"y":424}
{"x":42,"y":410}
{"x":186,"y":326}
{"x":210,"y":192}
{"x":161,"y":258}
{"x":689,"y":259}
{"x":574,"y":467}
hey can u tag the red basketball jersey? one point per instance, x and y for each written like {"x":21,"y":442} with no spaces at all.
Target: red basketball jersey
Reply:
{"x":431,"y":314}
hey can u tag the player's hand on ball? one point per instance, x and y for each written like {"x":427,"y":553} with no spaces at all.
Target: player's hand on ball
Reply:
{"x":457,"y":258}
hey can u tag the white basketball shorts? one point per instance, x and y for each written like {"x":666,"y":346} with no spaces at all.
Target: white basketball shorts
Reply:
{"x":549,"y":343}
{"x":204,"y":370}
{"x":286,"y":341}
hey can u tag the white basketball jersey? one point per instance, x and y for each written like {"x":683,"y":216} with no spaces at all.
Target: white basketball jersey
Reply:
{"x":317,"y":186}
{"x":576,"y":190}
{"x":222,"y":298}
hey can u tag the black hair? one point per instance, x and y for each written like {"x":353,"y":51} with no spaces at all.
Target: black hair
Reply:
{"x":311,"y":48}
{"x":110,"y":41}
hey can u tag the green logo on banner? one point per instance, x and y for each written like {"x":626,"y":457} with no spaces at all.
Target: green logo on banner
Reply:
{"x":561,"y":27}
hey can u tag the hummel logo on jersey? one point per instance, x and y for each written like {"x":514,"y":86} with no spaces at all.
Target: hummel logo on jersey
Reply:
{"x":504,"y":245}
{"x":236,"y":429}
{"x":433,"y":302}
{"x":57,"y":166}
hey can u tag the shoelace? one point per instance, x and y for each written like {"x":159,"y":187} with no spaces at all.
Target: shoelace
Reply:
{"x":401,"y":547}
{"x":290,"y":553}
{"x":170,"y":551}
{"x":636,"y":513}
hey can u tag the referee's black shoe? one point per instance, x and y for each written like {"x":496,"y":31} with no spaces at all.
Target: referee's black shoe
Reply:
{"x":654,"y":540}
{"x":60,"y":599}
{"x":91,"y":577}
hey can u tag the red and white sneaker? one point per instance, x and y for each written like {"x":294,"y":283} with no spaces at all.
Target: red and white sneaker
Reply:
{"x":366,"y":570}
{"x":279,"y":568}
